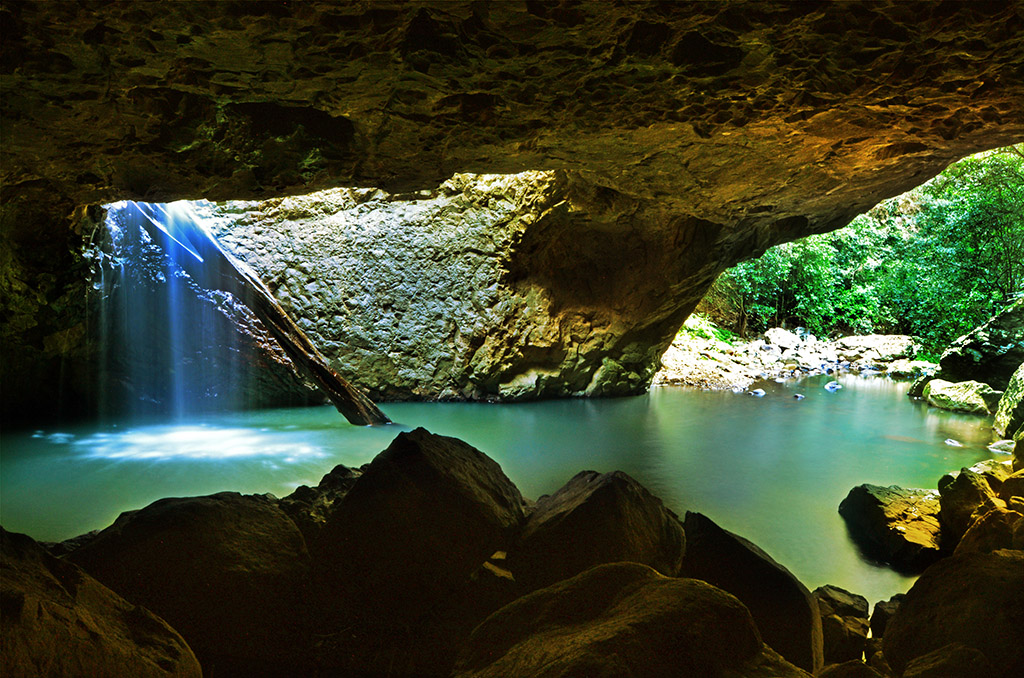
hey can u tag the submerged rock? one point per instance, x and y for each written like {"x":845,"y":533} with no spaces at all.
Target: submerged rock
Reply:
{"x":894,"y":525}
{"x":224,"y":569}
{"x":594,"y":519}
{"x":844,"y":623}
{"x":1010,"y":412}
{"x":990,"y":353}
{"x":621,"y":619}
{"x":972,"y":397}
{"x":976,"y":600}
{"x":785,"y":611}
{"x":56,"y":620}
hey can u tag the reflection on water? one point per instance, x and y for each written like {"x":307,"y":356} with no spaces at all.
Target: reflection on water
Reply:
{"x":773,"y":469}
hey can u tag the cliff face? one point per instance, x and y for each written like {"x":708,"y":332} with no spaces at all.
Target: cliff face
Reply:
{"x":685,"y":136}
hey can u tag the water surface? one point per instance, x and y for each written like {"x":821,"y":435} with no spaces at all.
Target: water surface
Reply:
{"x":772,"y":469}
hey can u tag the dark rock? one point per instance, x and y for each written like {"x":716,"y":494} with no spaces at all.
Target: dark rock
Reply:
{"x":844,"y":624}
{"x":785,"y":611}
{"x":594,"y":519}
{"x":399,"y":551}
{"x":1012,"y":486}
{"x":975,"y":599}
{"x":894,"y":525}
{"x":849,"y":669}
{"x":950,"y":661}
{"x":991,"y":532}
{"x":916,"y":389}
{"x":226,"y":570}
{"x":310,"y":507}
{"x":1010,"y":412}
{"x":990,"y":353}
{"x":56,"y":620}
{"x":883,"y":612}
{"x":62,"y":548}
{"x":621,"y":619}
{"x":963,"y":498}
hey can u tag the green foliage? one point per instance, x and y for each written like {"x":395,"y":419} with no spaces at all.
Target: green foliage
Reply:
{"x":700,"y":326}
{"x":934,"y":262}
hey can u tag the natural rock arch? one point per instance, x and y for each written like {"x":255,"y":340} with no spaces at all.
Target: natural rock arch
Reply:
{"x":699,"y":134}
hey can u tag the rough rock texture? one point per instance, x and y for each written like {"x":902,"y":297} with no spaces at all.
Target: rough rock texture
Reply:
{"x":990,"y":353}
{"x":963,"y":498}
{"x":621,"y":619}
{"x":785,"y":611}
{"x":689,"y":134}
{"x":1012,"y":486}
{"x":844,"y":623}
{"x":229,"y":571}
{"x":426,"y":512}
{"x":595,"y":519}
{"x":972,"y":397}
{"x":310,"y":507}
{"x":883,"y":612}
{"x":849,"y":669}
{"x":55,"y":620}
{"x":1010,"y":411}
{"x":895,"y":525}
{"x":993,"y":531}
{"x":976,"y":600}
{"x":950,"y":661}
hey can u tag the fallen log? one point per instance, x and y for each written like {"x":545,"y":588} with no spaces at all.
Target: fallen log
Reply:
{"x":199,"y":254}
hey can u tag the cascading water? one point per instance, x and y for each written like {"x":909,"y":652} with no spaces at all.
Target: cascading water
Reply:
{"x":170,"y":344}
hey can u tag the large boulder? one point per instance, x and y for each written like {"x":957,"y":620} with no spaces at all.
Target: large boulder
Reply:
{"x":785,"y":611}
{"x":56,"y":620}
{"x":877,"y":347}
{"x":972,"y":397}
{"x":1010,"y":411}
{"x":849,"y":669}
{"x":229,"y":571}
{"x":989,"y":353}
{"x":883,"y":612}
{"x":963,"y":498}
{"x":950,"y":661}
{"x":310,"y":507}
{"x":993,"y":531}
{"x":894,"y":525}
{"x":976,"y":600}
{"x":593,"y":519}
{"x":621,"y":619}
{"x":844,"y":623}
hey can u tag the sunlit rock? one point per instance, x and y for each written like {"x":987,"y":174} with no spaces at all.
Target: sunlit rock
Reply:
{"x":894,"y":525}
{"x":972,"y":397}
{"x":56,"y":620}
{"x":992,"y":531}
{"x":964,"y":497}
{"x":1010,"y":411}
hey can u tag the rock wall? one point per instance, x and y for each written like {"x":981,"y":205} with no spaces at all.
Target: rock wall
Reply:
{"x":688,"y":135}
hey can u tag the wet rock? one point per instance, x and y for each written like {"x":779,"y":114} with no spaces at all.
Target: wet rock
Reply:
{"x":785,"y":611}
{"x":992,"y":531}
{"x":1010,"y":412}
{"x":916,"y":389}
{"x":310,"y":507}
{"x":594,"y":519}
{"x":56,"y":620}
{"x":849,"y":669}
{"x":224,"y":569}
{"x":990,"y":353}
{"x":974,"y":599}
{"x":844,"y":623}
{"x":620,"y":619}
{"x":426,"y":513}
{"x":894,"y":525}
{"x":963,"y":497}
{"x":950,"y":661}
{"x":972,"y":397}
{"x":883,"y":612}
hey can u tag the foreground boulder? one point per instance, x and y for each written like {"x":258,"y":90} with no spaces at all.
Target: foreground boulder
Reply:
{"x":785,"y":611}
{"x":56,"y":620}
{"x":621,"y":619}
{"x":844,"y":623}
{"x":229,"y":571}
{"x":310,"y":507}
{"x":849,"y":669}
{"x":951,"y":660}
{"x":596,"y":519}
{"x":883,"y":612}
{"x":976,"y":600}
{"x":972,"y":397}
{"x":995,"y":530}
{"x":894,"y":525}
{"x":990,"y":353}
{"x":1010,"y":411}
{"x":963,"y":498}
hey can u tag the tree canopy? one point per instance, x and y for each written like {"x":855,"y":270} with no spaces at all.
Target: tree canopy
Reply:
{"x":934,"y":262}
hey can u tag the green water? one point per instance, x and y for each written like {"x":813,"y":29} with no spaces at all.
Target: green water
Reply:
{"x":773,"y":469}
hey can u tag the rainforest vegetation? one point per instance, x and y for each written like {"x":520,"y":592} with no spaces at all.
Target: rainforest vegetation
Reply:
{"x":934,"y":262}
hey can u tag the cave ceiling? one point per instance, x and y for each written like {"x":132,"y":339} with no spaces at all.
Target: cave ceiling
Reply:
{"x":797,"y":114}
